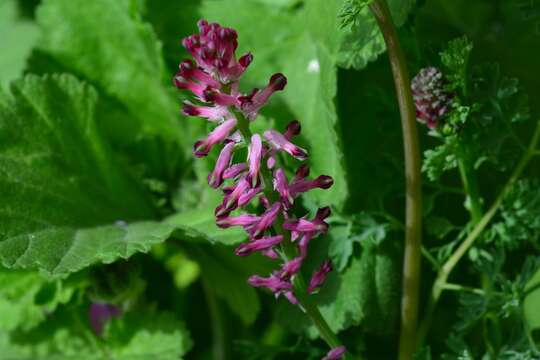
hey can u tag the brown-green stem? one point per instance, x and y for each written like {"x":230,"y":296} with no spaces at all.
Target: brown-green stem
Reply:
{"x":450,"y":264}
{"x":413,"y":207}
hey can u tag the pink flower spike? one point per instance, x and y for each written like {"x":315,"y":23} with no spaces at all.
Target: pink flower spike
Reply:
{"x":189,"y":70}
{"x":215,"y":179}
{"x":246,"y":197}
{"x":266,"y":220}
{"x":301,"y":186}
{"x":273,"y":283}
{"x":212,"y":113}
{"x":279,"y":142}
{"x":290,"y":296}
{"x":220,"y":133}
{"x":231,"y":199}
{"x":251,"y":104}
{"x":319,"y":276}
{"x":240,"y":220}
{"x":234,"y":170}
{"x":291,"y":267}
{"x":262,"y":244}
{"x":254,"y":159}
{"x":219,"y":98}
{"x":281,"y":185}
{"x":183,"y":83}
{"x":335,"y":353}
{"x":316,"y":225}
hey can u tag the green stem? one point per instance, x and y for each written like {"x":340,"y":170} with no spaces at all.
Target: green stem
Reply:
{"x":413,"y":220}
{"x":473,"y":201}
{"x":219,"y":348}
{"x":290,"y":251}
{"x":450,"y":264}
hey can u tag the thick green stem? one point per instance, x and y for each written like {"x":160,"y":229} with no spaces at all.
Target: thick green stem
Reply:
{"x":290,"y":251}
{"x":413,"y":220}
{"x":450,"y":264}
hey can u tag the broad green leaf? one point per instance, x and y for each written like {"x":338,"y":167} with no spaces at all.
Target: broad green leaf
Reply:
{"x":106,"y":42}
{"x":362,"y":42}
{"x":27,"y":297}
{"x":226,"y":275}
{"x":365,"y":294}
{"x":137,"y":335}
{"x":18,"y":38}
{"x":299,"y":43}
{"x":59,"y":179}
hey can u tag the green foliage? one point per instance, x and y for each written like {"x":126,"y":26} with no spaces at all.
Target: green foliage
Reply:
{"x":455,"y":59}
{"x":519,"y":218}
{"x":92,"y":39}
{"x":362,"y":41}
{"x":96,"y":167}
{"x":19,"y":36}
{"x":440,"y":159}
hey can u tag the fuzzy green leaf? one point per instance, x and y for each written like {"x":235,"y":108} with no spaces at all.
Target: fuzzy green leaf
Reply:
{"x":106,"y":42}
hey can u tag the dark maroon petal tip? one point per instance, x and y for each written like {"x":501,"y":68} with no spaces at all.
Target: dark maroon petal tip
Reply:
{"x":278,"y":81}
{"x":293,"y":128}
{"x":303,"y":171}
{"x":245,"y":60}
{"x":209,"y":95}
{"x":199,"y":149}
{"x":299,"y":154}
{"x":190,"y":110}
{"x":186,"y":67}
{"x":325,"y":181}
{"x":323,"y":212}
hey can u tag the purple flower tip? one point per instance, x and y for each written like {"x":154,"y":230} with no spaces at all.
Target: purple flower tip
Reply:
{"x":319,"y":276}
{"x":335,"y":353}
{"x":278,"y":82}
{"x":100,"y":313}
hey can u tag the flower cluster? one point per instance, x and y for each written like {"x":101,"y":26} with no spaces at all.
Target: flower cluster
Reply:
{"x":431,"y":100}
{"x":213,"y":79}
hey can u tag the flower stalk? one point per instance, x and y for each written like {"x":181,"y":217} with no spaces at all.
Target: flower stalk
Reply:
{"x":413,"y":221}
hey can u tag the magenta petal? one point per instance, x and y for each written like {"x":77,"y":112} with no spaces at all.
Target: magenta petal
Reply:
{"x":335,"y":353}
{"x":234,"y":170}
{"x":319,"y":276}
{"x":262,"y":244}
{"x":254,"y":159}
{"x":215,"y":179}
{"x":220,"y":133}
{"x":101,"y":313}
{"x":266,"y":220}
{"x":279,"y":142}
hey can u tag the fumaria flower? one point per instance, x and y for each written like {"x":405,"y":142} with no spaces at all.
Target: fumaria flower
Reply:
{"x":255,"y":181}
